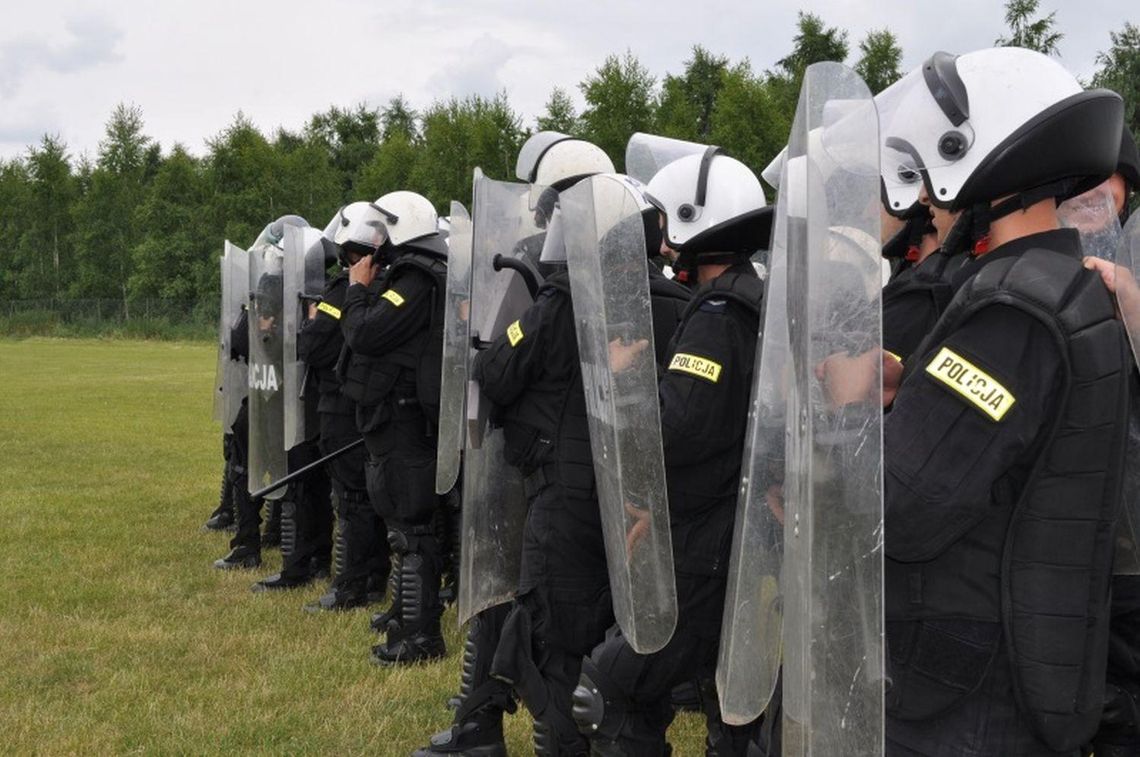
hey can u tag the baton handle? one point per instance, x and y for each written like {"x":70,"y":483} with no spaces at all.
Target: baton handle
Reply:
{"x":260,"y":494}
{"x":529,"y":276}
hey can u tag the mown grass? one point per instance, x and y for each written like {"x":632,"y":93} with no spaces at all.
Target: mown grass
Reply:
{"x":115,"y":634}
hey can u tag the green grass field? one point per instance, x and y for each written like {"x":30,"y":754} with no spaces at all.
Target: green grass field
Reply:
{"x":116,"y":635}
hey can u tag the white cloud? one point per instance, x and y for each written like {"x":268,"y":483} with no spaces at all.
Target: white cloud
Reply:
{"x":192,"y":64}
{"x":89,"y":41}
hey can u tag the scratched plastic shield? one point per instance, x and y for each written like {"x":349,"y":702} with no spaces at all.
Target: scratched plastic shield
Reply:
{"x":832,"y":578}
{"x":609,"y":285}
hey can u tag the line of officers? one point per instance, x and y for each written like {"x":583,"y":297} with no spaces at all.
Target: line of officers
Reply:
{"x":999,"y":391}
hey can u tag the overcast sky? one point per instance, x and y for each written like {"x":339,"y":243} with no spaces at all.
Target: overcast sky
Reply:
{"x":192,"y":64}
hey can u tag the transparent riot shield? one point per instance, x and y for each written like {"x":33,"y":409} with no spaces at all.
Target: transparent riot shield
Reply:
{"x":303,"y":284}
{"x":267,"y":461}
{"x":609,"y":284}
{"x":494,"y":500}
{"x":1128,"y":301}
{"x":219,"y":409}
{"x":748,"y":662}
{"x":235,"y":298}
{"x":833,"y":508}
{"x":1094,"y":215}
{"x":646,"y":154}
{"x":456,"y":351}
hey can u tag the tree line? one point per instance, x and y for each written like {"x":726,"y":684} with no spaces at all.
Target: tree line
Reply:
{"x":137,"y":222}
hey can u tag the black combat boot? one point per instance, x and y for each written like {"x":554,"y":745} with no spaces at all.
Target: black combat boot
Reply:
{"x":389,"y":619}
{"x":291,"y":575}
{"x":222,"y":519}
{"x":239,"y":557}
{"x":478,"y":725}
{"x":245,"y":546}
{"x":271,"y":535}
{"x":342,"y":594}
{"x":418,"y":638}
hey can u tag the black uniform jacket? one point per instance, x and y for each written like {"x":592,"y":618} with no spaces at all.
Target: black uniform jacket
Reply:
{"x":320,"y":342}
{"x":704,"y":395}
{"x":947,"y":463}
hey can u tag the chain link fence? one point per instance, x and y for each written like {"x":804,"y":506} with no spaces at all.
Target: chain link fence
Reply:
{"x":143,"y":318}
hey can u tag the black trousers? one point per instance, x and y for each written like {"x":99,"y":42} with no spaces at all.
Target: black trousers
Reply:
{"x":562,"y":612}
{"x":362,"y":541}
{"x":644,"y":682}
{"x":307,"y":515}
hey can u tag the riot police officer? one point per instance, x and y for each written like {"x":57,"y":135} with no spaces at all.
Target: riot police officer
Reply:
{"x":714,"y":214}
{"x":1004,"y":444}
{"x":245,"y":547}
{"x":306,"y":510}
{"x":361,"y":553}
{"x":537,"y":391}
{"x":1119,"y":732}
{"x":394,"y":341}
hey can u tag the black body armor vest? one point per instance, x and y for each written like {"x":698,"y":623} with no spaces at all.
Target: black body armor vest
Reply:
{"x":1052,"y":543}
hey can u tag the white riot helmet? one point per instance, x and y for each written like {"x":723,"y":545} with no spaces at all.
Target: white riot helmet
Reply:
{"x":556,"y":160}
{"x":274,"y":232}
{"x":713,"y":204}
{"x":408,"y":216}
{"x":412,"y":222}
{"x":554,"y":245}
{"x":994,"y":123}
{"x":356,"y":228}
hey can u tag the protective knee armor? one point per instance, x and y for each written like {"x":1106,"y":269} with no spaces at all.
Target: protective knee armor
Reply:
{"x":599,"y":710}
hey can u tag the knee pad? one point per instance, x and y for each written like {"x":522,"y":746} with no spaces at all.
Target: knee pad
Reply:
{"x":598,"y":707}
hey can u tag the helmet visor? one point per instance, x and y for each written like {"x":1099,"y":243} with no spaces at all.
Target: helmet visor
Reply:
{"x":918,"y":135}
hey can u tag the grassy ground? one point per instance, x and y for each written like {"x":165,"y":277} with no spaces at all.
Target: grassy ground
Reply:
{"x":115,"y":634}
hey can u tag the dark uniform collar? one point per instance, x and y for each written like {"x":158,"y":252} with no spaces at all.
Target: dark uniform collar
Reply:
{"x":1061,"y":241}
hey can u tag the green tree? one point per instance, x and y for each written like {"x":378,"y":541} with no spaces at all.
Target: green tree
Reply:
{"x":350,"y":138}
{"x":399,"y":120}
{"x":1120,"y":71}
{"x":560,"y":114}
{"x":879,"y":59}
{"x":174,"y":259}
{"x":15,"y":215}
{"x":242,"y":193}
{"x":746,"y":121}
{"x":45,"y":244}
{"x":685,"y":108}
{"x":105,"y":230}
{"x":1026,"y":31}
{"x":814,"y":42}
{"x":457,"y":136}
{"x":389,"y":170}
{"x":619,"y":101}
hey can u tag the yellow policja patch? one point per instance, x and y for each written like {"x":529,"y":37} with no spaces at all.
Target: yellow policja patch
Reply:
{"x":393,"y":297}
{"x":978,"y":388}
{"x":700,"y":367}
{"x":514,"y":333}
{"x":328,"y":309}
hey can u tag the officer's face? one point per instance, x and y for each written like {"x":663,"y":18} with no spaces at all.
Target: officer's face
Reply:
{"x":943,"y":219}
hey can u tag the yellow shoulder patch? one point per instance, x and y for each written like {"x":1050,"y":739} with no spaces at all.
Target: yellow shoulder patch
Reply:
{"x":973,"y":384}
{"x":514,"y":333}
{"x":393,"y":297}
{"x":328,"y":309}
{"x":701,"y":367}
